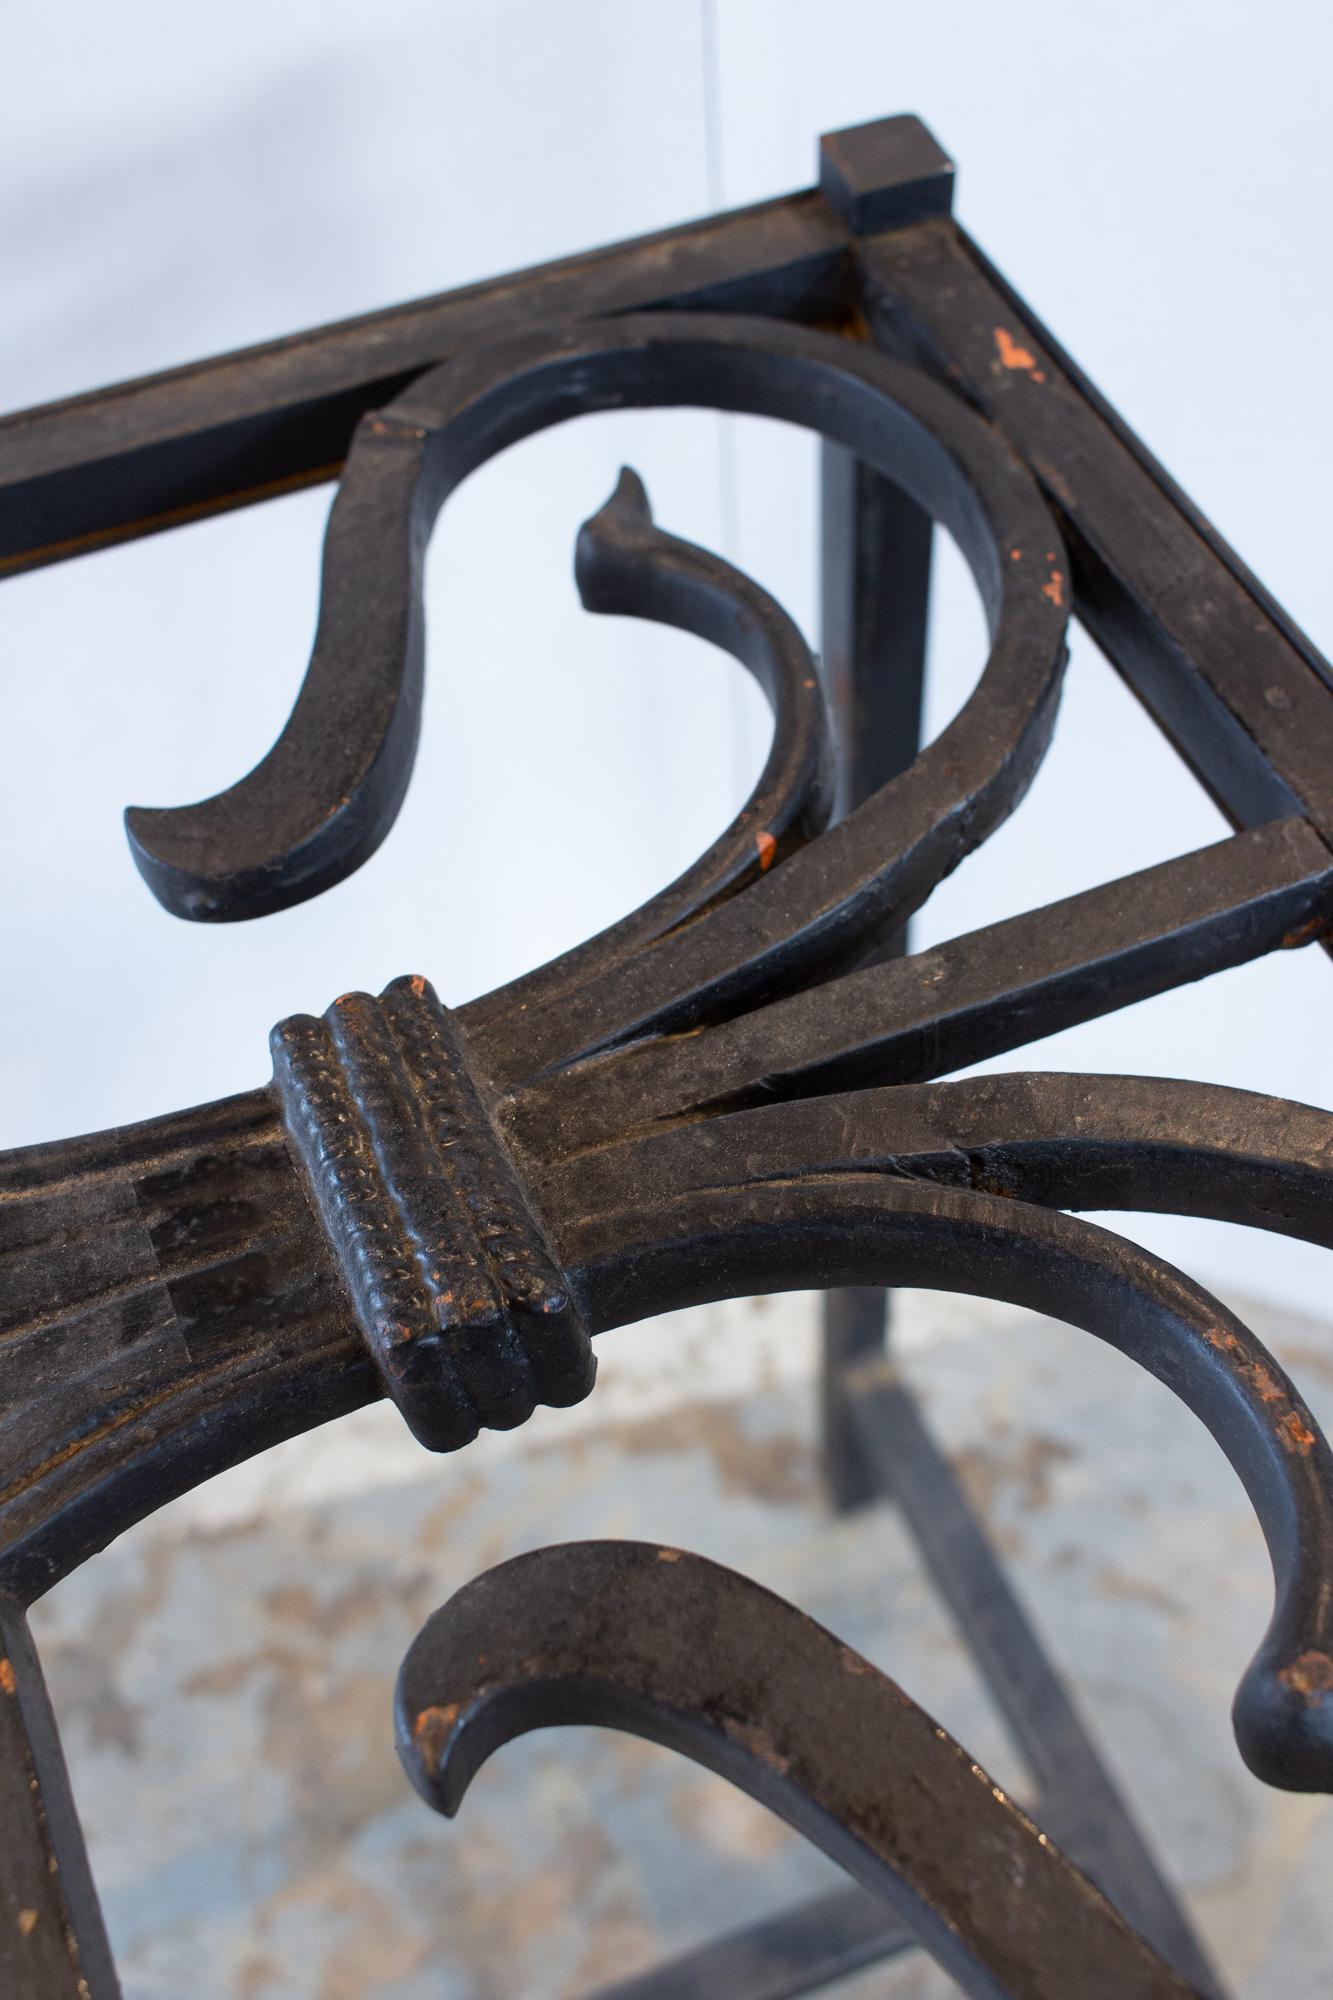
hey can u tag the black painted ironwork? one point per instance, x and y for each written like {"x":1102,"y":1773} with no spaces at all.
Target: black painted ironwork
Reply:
{"x":736,"y":1089}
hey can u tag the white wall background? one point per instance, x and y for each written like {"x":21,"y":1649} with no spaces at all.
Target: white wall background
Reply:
{"x":174,"y":181}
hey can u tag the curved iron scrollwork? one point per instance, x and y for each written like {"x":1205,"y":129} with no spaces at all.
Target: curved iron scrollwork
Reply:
{"x":679,"y":1650}
{"x":327,"y":793}
{"x":735,"y":1089}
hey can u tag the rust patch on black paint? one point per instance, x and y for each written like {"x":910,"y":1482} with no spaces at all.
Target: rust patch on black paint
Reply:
{"x":1016,"y":357}
{"x":1297,"y":1434}
{"x":7,"y":1680}
{"x":1292,"y":1429}
{"x":1303,"y":934}
{"x":752,"y":1737}
{"x":431,"y":1732}
{"x":1311,"y":1676}
{"x":767,"y":847}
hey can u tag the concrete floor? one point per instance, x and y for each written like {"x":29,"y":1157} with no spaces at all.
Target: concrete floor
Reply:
{"x":224,"y":1673}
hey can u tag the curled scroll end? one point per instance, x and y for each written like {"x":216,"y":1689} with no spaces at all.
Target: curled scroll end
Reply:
{"x":442,"y":1750}
{"x":627,"y":511}
{"x":677,"y":1649}
{"x":232,"y":857}
{"x":621,"y":531}
{"x":328,"y":791}
{"x":169,"y":846}
{"x":1283,"y":1719}
{"x":449,"y":1721}
{"x":629,"y":507}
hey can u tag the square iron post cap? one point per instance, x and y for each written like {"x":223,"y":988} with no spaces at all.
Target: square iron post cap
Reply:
{"x":885,"y":174}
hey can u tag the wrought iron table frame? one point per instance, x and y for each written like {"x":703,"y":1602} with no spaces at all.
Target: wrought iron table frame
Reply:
{"x":733,"y":1090}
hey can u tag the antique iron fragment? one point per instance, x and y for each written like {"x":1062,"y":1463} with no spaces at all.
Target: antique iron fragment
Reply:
{"x":741,"y":1087}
